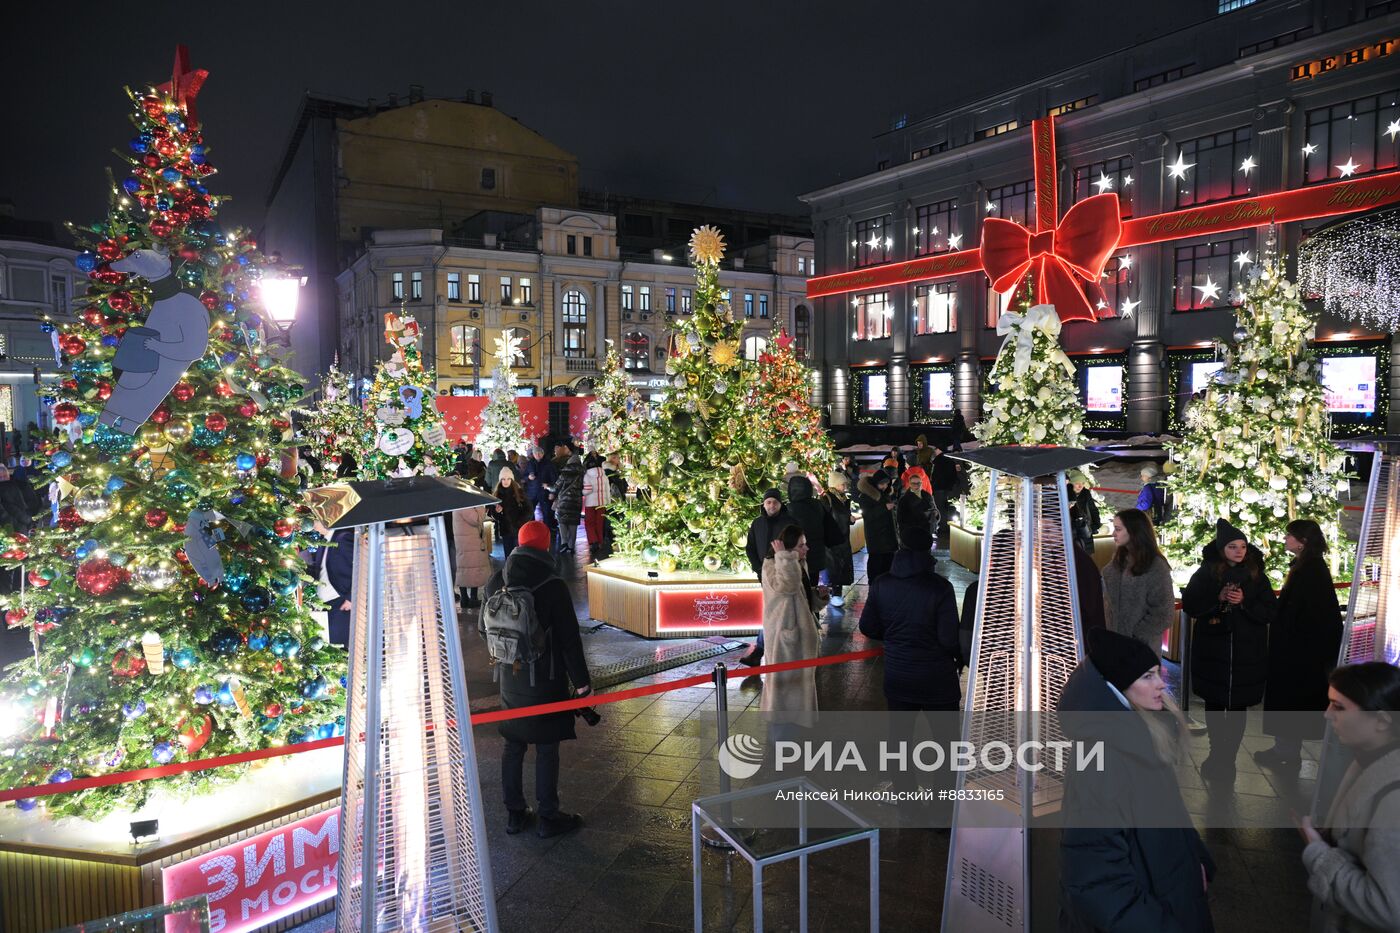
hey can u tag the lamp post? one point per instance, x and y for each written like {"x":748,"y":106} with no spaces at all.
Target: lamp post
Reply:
{"x":280,"y":290}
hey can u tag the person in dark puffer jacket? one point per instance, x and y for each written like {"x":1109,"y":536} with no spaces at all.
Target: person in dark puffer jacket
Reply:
{"x":877,"y":507}
{"x":568,"y":502}
{"x":816,"y":523}
{"x":1232,"y":603}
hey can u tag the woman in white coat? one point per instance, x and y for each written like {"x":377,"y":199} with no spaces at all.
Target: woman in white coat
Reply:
{"x":789,"y":630}
{"x":596,"y":496}
{"x":473,"y":554}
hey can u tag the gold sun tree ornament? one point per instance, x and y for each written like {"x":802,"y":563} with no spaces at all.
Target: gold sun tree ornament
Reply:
{"x":707,"y":244}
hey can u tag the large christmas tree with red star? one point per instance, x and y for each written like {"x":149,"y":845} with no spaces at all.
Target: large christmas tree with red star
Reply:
{"x":162,"y":594}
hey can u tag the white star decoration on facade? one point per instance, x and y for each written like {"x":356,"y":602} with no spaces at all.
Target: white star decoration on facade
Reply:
{"x":991,"y":207}
{"x":1104,"y":183}
{"x":1178,"y":168}
{"x":873,"y":242}
{"x":1309,"y":149}
{"x":1209,"y":291}
{"x":954,"y":240}
{"x":916,"y":231}
{"x":1127,"y":180}
{"x":1101,"y":305}
{"x":1393,"y":130}
{"x":1242,"y":259}
{"x":1125,"y":262}
{"x":934,"y":231}
{"x":1128,"y":306}
{"x":1348,"y":168}
{"x":1248,"y":165}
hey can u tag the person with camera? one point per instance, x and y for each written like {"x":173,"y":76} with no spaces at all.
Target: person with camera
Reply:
{"x":542,"y":631}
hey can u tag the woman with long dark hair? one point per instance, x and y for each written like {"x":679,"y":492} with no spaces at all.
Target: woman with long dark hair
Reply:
{"x":512,"y":511}
{"x":1303,"y":645}
{"x":1354,"y":863}
{"x":1232,"y":603}
{"x":1137,"y":582}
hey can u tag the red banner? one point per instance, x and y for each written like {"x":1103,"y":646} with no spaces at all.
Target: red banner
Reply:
{"x":255,"y":882}
{"x":1343,"y":197}
{"x":720,"y":610}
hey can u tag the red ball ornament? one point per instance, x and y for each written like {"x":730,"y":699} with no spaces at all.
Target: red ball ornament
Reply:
{"x":272,"y":710}
{"x":70,"y":385}
{"x":36,"y":580}
{"x":127,"y":663}
{"x":248,"y":409}
{"x":215,"y":421}
{"x":150,"y":160}
{"x":109,"y":250}
{"x":72,"y":344}
{"x":161,"y":415}
{"x":195,"y":735}
{"x":284,"y":527}
{"x":14,"y":617}
{"x":223,"y":390}
{"x":99,"y":576}
{"x":162,"y":227}
{"x":153,"y":107}
{"x":65,"y":413}
{"x":168,"y":147}
{"x":263,"y":459}
{"x":181,"y":556}
{"x":104,"y":390}
{"x":107,"y":275}
{"x":155,"y":518}
{"x":92,"y":317}
{"x":120,"y":302}
{"x":210,"y":300}
{"x":69,"y":519}
{"x":182,"y":392}
{"x":277,"y":667}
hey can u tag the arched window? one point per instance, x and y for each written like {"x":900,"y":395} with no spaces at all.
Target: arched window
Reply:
{"x":466,"y":345}
{"x":636,"y":351}
{"x":753,"y":346}
{"x":801,"y":331}
{"x":526,"y":349}
{"x":575,"y":314}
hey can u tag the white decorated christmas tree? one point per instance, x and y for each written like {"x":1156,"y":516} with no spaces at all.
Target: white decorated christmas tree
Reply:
{"x":1256,"y":451}
{"x":337,"y":424}
{"x":408,"y":436}
{"x":617,"y":411}
{"x":500,"y":422}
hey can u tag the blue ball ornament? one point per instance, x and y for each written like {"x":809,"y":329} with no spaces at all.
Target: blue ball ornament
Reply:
{"x":87,"y":419}
{"x":315,"y":643}
{"x":225,"y":694}
{"x":225,"y":641}
{"x":317,"y":688}
{"x":298,"y":735}
{"x":196,"y":155}
{"x":235,"y":576}
{"x":47,"y":328}
{"x":61,"y":776}
{"x":110,"y":340}
{"x":285,"y":582}
{"x":243,"y":259}
{"x":115,"y":483}
{"x":268,"y":724}
{"x":325,"y":730}
{"x":230,"y":288}
{"x":285,"y":646}
{"x":165,"y":202}
{"x":256,"y":599}
{"x":185,"y":658}
{"x":131,"y":185}
{"x":163,"y":753}
{"x":204,"y":694}
{"x":26,"y":803}
{"x":339,"y":726}
{"x":61,"y":459}
{"x":171,"y":174}
{"x":229,"y":357}
{"x":138,"y":144}
{"x":236,"y":499}
{"x":257,"y":639}
{"x":134,"y":710}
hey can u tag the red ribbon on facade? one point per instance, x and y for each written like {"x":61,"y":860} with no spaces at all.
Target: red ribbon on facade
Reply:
{"x":1067,"y":255}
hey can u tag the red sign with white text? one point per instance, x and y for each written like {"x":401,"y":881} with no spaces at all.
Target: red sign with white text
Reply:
{"x":256,"y":882}
{"x":720,"y":610}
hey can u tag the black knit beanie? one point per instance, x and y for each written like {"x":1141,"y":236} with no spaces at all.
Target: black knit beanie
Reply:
{"x":1119,"y":658}
{"x":1226,"y":532}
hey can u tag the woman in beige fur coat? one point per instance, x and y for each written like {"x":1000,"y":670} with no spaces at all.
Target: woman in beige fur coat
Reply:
{"x":789,"y":630}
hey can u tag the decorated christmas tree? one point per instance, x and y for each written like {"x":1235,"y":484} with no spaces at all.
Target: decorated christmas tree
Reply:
{"x":409,"y":436}
{"x":1033,"y":399}
{"x":702,"y":464}
{"x":336,"y":425}
{"x":782,"y":417}
{"x":617,"y":411}
{"x":1256,"y":451}
{"x":500,"y":422}
{"x":161,"y":595}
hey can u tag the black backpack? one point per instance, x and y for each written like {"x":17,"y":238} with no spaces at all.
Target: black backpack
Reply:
{"x":512,"y":629}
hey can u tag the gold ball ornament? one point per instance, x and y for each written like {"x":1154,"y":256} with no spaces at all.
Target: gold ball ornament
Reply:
{"x":152,"y":437}
{"x":713,"y":563}
{"x":178,"y":430}
{"x":1169,"y":467}
{"x":666,"y":563}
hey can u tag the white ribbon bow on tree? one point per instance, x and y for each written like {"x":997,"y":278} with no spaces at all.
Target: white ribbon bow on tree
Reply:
{"x":1021,"y":329}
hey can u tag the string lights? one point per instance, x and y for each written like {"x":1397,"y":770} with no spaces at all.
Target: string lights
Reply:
{"x":1355,"y":267}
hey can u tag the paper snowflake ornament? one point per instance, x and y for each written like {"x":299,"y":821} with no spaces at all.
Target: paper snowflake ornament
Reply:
{"x":707,"y":244}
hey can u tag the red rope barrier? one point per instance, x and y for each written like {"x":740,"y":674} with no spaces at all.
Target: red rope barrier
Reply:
{"x":480,"y":719}
{"x":1133,"y":492}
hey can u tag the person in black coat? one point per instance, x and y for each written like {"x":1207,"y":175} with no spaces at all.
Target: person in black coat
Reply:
{"x":1230,"y":599}
{"x":1304,"y":643}
{"x":877,"y":508}
{"x":1130,"y":858}
{"x":531,"y":566}
{"x":512,"y":509}
{"x":772,"y":518}
{"x":337,"y":564}
{"x":840,"y":566}
{"x":1084,"y":516}
{"x":816,"y":522}
{"x":540,"y":477}
{"x":916,"y":508}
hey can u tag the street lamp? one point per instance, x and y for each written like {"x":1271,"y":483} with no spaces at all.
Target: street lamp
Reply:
{"x":281,"y":292}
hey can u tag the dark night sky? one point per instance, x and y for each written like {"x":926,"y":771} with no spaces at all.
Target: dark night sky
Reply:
{"x":742,"y":104}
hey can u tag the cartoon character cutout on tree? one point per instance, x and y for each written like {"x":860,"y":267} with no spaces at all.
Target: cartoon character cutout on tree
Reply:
{"x":153,"y":357}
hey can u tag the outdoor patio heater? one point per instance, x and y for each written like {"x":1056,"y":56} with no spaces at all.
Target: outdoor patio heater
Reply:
{"x":1370,"y":634}
{"x":413,"y":853}
{"x":1026,"y":644}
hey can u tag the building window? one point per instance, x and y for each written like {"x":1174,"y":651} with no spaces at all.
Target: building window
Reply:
{"x":801,"y":265}
{"x":724,"y":295}
{"x":1227,"y":6}
{"x":58,"y":297}
{"x":398,"y":286}
{"x":415,"y":286}
{"x":636,"y":351}
{"x":454,"y":286}
{"x":571,"y":245}
{"x":527,"y":296}
{"x":1215,"y":173}
{"x":1112,"y":176}
{"x":526,"y":349}
{"x":748,"y":305}
{"x":1206,"y":274}
{"x":1162,"y":77}
{"x":1073,"y":105}
{"x":670,"y":300}
{"x":754,"y":347}
{"x":933,"y":224}
{"x":588,"y":246}
{"x":1275,"y":42}
{"x":466,"y":345}
{"x":763,"y":306}
{"x":644,"y":298}
{"x":685,"y":301}
{"x":935,"y":308}
{"x":1114,"y":288}
{"x":473,"y":287}
{"x":801,"y":331}
{"x":873,"y":313}
{"x":990,"y":131}
{"x":927,"y":151}
{"x":873,"y":240}
{"x":1352,"y":136}
{"x":505,"y":290}
{"x":997,"y":305}
{"x":575,"y":314}
{"x":627,"y":297}
{"x":1012,"y":202}
{"x":488,"y":179}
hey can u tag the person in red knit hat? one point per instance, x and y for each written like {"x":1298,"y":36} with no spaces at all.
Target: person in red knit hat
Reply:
{"x":530,"y":567}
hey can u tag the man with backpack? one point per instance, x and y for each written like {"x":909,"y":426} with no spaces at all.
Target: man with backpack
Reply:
{"x":532,"y":635}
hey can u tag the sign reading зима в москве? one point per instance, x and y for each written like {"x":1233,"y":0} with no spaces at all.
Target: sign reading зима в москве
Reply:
{"x":1362,"y":53}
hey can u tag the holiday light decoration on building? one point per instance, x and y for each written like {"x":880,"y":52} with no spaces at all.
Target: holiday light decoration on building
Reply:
{"x":1355,"y":267}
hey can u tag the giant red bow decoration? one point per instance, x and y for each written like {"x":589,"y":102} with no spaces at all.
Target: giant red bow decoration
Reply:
{"x":1065,"y":257}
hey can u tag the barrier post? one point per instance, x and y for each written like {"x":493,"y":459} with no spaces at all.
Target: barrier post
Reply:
{"x":708,"y":835}
{"x":1184,"y":653}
